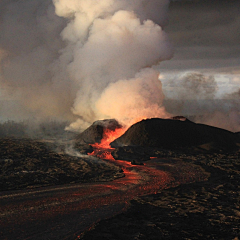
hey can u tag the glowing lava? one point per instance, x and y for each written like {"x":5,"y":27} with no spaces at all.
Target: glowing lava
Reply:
{"x":108,"y":137}
{"x":103,"y":149}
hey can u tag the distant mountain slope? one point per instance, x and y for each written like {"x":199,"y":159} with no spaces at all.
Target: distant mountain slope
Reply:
{"x":94,"y":133}
{"x":169,"y":133}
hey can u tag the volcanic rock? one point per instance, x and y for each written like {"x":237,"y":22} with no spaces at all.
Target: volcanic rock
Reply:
{"x":139,"y":154}
{"x":28,"y":163}
{"x":197,"y":210}
{"x":172,"y":134}
{"x":136,"y":155}
{"x":238,"y":136}
{"x":94,"y":133}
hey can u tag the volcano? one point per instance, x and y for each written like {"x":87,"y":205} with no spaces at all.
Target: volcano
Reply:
{"x":94,"y":135}
{"x":175,"y":133}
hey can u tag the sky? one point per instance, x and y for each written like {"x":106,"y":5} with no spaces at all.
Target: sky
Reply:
{"x":206,"y":45}
{"x":205,"y":39}
{"x":204,"y":34}
{"x":46,"y":51}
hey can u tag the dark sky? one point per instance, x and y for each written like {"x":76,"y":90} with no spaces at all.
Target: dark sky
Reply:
{"x":205,"y":34}
{"x":206,"y":40}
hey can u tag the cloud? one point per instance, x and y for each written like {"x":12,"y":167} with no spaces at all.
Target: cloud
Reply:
{"x":133,"y":99}
{"x":117,"y":41}
{"x":203,"y":99}
{"x":204,"y":35}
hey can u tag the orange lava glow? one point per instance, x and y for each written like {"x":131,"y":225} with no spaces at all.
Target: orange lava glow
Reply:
{"x":102,"y":153}
{"x":108,"y":137}
{"x":103,"y":149}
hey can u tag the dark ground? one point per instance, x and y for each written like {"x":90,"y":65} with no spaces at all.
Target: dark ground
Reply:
{"x":201,"y":210}
{"x":28,"y":163}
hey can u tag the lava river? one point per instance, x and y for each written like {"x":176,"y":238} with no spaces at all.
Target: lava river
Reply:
{"x":65,"y":212}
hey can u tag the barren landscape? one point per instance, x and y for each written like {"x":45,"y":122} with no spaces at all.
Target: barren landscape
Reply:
{"x":154,"y":192}
{"x":27,"y":163}
{"x":119,"y":119}
{"x":201,"y":210}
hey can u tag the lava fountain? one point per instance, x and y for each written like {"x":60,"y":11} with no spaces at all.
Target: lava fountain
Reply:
{"x":103,"y":149}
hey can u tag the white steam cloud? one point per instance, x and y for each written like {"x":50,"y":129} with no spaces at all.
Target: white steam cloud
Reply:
{"x":142,"y":95}
{"x":86,"y":58}
{"x":110,"y":42}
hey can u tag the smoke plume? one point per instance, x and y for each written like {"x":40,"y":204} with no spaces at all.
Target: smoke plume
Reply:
{"x":112,"y":44}
{"x":86,"y":58}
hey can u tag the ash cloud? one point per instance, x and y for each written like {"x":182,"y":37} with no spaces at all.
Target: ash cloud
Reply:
{"x":81,"y":61}
{"x":142,"y":95}
{"x":116,"y":41}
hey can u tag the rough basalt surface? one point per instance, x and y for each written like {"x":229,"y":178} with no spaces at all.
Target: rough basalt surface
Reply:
{"x":94,"y":133}
{"x":200,"y":210}
{"x":26,"y":163}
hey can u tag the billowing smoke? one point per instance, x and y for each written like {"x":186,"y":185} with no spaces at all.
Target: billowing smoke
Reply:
{"x":86,"y":58}
{"x":142,"y":95}
{"x":112,"y":44}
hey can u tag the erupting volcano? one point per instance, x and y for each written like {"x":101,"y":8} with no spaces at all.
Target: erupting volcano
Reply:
{"x":109,"y":140}
{"x":85,"y":60}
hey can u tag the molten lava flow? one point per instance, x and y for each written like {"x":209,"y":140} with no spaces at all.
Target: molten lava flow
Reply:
{"x":109,"y":136}
{"x":103,"y":149}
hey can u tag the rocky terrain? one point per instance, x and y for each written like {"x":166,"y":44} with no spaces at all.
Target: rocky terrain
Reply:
{"x":95,"y":133}
{"x":208,"y":209}
{"x":200,"y":210}
{"x":176,"y":133}
{"x":28,"y":163}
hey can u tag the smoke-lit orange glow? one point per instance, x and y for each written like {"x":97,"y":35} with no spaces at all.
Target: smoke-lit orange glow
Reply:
{"x":138,"y":119}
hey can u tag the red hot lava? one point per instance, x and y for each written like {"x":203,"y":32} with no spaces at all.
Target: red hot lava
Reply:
{"x":103,"y":149}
